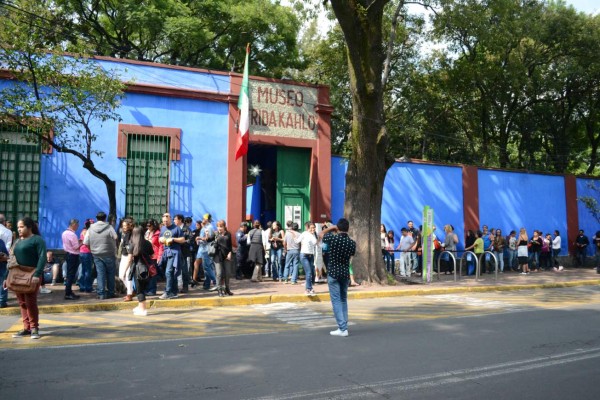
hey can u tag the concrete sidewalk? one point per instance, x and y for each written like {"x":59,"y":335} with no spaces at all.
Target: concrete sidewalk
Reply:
{"x":247,"y":292}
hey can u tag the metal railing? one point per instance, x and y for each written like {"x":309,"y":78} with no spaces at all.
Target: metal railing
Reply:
{"x":462,"y":260}
{"x":439,"y":260}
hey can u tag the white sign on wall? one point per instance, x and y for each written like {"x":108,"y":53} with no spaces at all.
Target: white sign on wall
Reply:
{"x":278,"y":109}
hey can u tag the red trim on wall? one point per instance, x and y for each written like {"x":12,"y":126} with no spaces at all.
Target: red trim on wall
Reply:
{"x":572,"y":211}
{"x":173,"y":133}
{"x":236,"y":170}
{"x":321,"y":194}
{"x":320,"y":164}
{"x":166,"y":91}
{"x":470,"y":197}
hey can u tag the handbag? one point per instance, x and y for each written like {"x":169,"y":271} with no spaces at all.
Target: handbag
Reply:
{"x":212,"y":248}
{"x":20,"y":279}
{"x":142,"y":269}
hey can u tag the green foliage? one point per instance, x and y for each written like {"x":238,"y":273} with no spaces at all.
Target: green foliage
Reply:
{"x":196,"y":33}
{"x":591,"y":203}
{"x":64,"y":97}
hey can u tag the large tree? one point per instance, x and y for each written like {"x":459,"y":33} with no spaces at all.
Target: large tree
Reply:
{"x":361,"y":22}
{"x":60,"y":99}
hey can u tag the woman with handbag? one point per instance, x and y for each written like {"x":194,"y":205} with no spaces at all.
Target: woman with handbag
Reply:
{"x":222,"y":257}
{"x":29,"y":250}
{"x":140,"y":252}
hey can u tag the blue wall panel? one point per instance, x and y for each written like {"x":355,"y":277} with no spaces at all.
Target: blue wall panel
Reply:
{"x":167,"y":77}
{"x":197,"y":182}
{"x":407,"y":189}
{"x":511,"y":200}
{"x":587,"y":222}
{"x":410,"y":187}
{"x":339,"y":166}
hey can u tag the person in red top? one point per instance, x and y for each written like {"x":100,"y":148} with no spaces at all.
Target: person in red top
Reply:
{"x":152,"y":235}
{"x":85,"y":256}
{"x":71,"y":245}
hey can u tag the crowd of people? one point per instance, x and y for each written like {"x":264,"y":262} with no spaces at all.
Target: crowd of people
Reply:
{"x":182,"y":256}
{"x":139,"y":254}
{"x":511,"y":252}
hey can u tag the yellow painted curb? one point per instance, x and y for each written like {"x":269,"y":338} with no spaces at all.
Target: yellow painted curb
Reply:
{"x":289,"y":298}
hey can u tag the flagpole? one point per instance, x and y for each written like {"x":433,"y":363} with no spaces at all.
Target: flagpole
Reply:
{"x":243,"y":127}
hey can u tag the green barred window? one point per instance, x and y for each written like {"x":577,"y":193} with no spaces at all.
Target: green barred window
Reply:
{"x":19,"y":174}
{"x":147,"y":176}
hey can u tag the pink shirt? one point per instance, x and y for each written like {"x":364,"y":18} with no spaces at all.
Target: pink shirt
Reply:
{"x":83,"y":248}
{"x":70,"y":242}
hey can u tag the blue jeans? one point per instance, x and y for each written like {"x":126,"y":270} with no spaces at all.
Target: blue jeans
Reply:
{"x":413,"y":261}
{"x":534,"y":256}
{"x":171,"y":274}
{"x":308,"y":263}
{"x":389,"y":259}
{"x":72,"y":265}
{"x":86,"y":280}
{"x":291,"y":264}
{"x":185,"y":271}
{"x":209,"y":270}
{"x":512,"y":259}
{"x":278,"y":269}
{"x":338,"y":291}
{"x":152,"y":282}
{"x":555,"y":253}
{"x":3,"y":275}
{"x":500,"y":259}
{"x":105,"y":267}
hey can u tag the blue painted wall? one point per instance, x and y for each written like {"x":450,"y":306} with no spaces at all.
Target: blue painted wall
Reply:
{"x":197,"y":182}
{"x":339,"y":166}
{"x":408,"y":188}
{"x":511,"y":200}
{"x":586,"y":221}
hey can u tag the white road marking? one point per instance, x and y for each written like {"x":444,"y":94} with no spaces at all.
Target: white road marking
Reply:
{"x":444,"y":378}
{"x":476,"y":302}
{"x":297,"y":314}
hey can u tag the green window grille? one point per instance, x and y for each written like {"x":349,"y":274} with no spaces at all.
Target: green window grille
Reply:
{"x":19,"y":174}
{"x":147,"y":176}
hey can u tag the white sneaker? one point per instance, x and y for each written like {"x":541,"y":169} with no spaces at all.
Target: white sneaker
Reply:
{"x":136,"y":309}
{"x":339,"y":333}
{"x":139,"y":312}
{"x":45,"y":290}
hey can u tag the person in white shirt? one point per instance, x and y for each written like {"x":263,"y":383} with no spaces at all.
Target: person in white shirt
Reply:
{"x":406,"y":244}
{"x":5,"y":234}
{"x":266,"y":234}
{"x":556,"y":247}
{"x":308,"y":242}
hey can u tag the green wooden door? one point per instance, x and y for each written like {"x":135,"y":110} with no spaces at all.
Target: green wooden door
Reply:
{"x":147,"y":176}
{"x":19,"y":174}
{"x":293,"y":185}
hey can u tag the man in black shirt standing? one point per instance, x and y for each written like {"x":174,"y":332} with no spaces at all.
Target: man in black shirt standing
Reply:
{"x":581,"y":247}
{"x":341,"y":249}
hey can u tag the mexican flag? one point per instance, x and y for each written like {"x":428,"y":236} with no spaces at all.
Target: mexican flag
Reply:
{"x":244,"y":116}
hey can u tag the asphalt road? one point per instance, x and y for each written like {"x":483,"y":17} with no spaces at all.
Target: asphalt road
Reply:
{"x":542,"y":344}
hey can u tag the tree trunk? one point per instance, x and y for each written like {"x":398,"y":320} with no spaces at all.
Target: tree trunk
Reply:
{"x":361,"y":22}
{"x":91,"y":167}
{"x":109,"y":183}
